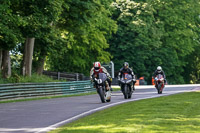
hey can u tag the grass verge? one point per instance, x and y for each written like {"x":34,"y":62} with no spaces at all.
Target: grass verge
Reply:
{"x":35,"y":78}
{"x":178,"y":113}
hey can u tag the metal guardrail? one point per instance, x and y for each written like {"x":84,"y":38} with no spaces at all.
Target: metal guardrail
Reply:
{"x":65,"y":76}
{"x":27,"y":90}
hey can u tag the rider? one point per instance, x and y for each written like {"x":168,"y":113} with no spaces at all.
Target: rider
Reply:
{"x":160,"y":71}
{"x":126,"y":69}
{"x":99,"y":69}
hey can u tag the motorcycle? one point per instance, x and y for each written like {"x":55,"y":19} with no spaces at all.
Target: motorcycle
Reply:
{"x":103,"y":88}
{"x":159,"y":82}
{"x":125,"y":82}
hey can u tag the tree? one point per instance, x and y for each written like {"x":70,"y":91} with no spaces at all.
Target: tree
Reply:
{"x":153,"y":33}
{"x":137,"y":38}
{"x":9,"y":35}
{"x":86,"y":26}
{"x":38,"y":16}
{"x":1,"y":57}
{"x":179,"y":38}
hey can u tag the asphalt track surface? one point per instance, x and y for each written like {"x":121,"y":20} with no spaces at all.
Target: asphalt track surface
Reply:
{"x":44,"y":115}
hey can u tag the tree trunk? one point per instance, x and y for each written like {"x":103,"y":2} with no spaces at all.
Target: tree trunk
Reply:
{"x":1,"y":60}
{"x":40,"y":66}
{"x":9,"y":66}
{"x":27,"y":57}
{"x":6,"y":65}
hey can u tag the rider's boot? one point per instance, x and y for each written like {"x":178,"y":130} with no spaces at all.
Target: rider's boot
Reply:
{"x":156,"y":85}
{"x":111,"y":89}
{"x":107,"y":86}
{"x":133,"y":87}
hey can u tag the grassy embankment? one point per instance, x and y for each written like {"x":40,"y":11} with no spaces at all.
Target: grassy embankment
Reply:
{"x":171,"y":114}
{"x":22,"y":79}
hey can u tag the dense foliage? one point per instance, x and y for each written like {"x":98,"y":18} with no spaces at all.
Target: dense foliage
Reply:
{"x":71,"y":34}
{"x":86,"y":26}
{"x":156,"y":32}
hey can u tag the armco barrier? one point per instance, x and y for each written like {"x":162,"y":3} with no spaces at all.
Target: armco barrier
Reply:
{"x":27,"y":90}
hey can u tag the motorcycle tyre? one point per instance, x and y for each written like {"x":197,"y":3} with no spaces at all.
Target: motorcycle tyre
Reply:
{"x":130,"y":93}
{"x":125,"y":92}
{"x":159,"y":87}
{"x":108,"y":100}
{"x":102,"y":95}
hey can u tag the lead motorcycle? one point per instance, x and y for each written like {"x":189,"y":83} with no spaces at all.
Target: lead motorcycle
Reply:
{"x":126,"y":82}
{"x":103,"y":88}
{"x":159,"y":83}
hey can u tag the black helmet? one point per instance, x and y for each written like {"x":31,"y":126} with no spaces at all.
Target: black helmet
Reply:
{"x":126,"y":65}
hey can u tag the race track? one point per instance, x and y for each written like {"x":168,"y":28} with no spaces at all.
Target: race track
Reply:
{"x":44,"y":115}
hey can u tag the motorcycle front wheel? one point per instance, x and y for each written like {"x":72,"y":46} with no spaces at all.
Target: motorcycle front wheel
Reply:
{"x":101,"y":94}
{"x":159,"y":89}
{"x":125,"y":91}
{"x":130,"y":93}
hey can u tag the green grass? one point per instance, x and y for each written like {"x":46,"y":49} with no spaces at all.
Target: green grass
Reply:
{"x":171,"y":114}
{"x":35,"y":78}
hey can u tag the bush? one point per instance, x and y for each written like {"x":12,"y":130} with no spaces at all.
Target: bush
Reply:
{"x":35,"y":78}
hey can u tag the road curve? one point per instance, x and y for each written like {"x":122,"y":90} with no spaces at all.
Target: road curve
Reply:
{"x":44,"y":115}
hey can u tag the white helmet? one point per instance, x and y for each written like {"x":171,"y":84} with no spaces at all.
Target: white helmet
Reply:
{"x":97,"y":66}
{"x":159,"y":69}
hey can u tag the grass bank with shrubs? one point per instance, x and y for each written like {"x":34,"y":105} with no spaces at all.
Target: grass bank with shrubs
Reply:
{"x":35,"y":78}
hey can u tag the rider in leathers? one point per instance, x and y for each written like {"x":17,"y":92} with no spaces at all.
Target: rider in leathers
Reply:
{"x":126,"y":69}
{"x":99,"y":69}
{"x":159,"y":71}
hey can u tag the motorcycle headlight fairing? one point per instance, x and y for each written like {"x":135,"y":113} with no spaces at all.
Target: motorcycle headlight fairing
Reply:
{"x":122,"y":81}
{"x":128,"y":81}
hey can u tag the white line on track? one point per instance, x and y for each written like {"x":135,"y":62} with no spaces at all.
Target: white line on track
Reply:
{"x":54,"y":126}
{"x":152,"y":86}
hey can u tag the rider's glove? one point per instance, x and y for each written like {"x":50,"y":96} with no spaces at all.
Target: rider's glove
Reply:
{"x":95,"y":79}
{"x":110,"y":79}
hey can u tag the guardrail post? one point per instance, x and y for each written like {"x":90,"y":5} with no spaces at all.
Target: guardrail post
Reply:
{"x":76,"y":76}
{"x":112,"y":67}
{"x":58,"y":75}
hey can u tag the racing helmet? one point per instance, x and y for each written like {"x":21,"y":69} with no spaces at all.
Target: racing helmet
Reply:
{"x":97,"y":66}
{"x":159,"y":69}
{"x":126,"y":65}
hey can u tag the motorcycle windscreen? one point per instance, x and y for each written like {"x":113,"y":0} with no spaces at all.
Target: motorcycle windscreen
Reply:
{"x":159,"y":76}
{"x":102,"y":76}
{"x":127,"y":76}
